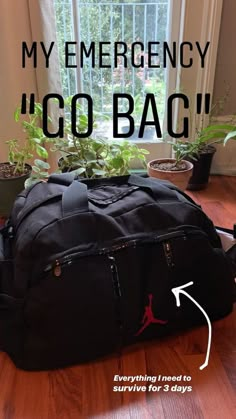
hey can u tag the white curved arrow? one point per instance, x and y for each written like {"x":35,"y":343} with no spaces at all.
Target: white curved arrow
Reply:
{"x":179,"y":290}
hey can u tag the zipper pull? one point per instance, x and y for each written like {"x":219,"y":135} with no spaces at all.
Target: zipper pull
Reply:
{"x":57,"y":269}
{"x":168,"y":254}
{"x":115,"y":276}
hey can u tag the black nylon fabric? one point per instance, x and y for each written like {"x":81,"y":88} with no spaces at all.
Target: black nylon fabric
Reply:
{"x":93,"y":269}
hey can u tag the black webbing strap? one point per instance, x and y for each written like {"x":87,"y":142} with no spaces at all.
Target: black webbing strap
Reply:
{"x":75,"y":199}
{"x":157,"y":188}
{"x":228,"y":230}
{"x":61,"y":179}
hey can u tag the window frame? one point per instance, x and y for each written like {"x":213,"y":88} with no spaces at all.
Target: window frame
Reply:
{"x":189,"y":21}
{"x":207,"y":17}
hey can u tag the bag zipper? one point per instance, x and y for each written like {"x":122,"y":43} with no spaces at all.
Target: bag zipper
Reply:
{"x":115,"y":276}
{"x":168,"y":254}
{"x":117,"y":296}
{"x":62,"y":261}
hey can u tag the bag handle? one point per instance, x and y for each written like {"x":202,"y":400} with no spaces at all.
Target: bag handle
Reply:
{"x":158,"y":188}
{"x":61,"y":179}
{"x":75,"y":197}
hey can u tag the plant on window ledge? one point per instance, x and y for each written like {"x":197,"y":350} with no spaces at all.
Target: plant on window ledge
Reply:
{"x":34,"y":144}
{"x":199,"y":152}
{"x":204,"y":141}
{"x":93,"y":157}
{"x":176,"y":170}
{"x":17,"y":173}
{"x":180,"y":170}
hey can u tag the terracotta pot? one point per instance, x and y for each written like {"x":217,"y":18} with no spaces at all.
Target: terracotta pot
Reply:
{"x":179,"y":178}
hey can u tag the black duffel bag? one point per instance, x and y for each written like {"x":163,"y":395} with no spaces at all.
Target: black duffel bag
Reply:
{"x":94,"y":265}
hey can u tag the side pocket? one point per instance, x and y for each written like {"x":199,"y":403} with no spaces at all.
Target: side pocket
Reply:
{"x":11,"y":327}
{"x":6,"y":264}
{"x":146,"y":299}
{"x":70,"y":315}
{"x":196,"y":261}
{"x":6,"y":276}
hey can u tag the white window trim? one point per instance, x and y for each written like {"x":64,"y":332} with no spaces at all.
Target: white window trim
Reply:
{"x":191,"y":21}
{"x":210,"y":30}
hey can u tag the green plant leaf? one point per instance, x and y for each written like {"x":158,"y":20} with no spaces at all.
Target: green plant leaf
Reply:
{"x":143,"y":150}
{"x":36,"y":169}
{"x":11,"y":157}
{"x":17,"y":114}
{"x":36,"y":140}
{"x":79,"y":171}
{"x":90,"y":155}
{"x":38,"y":109}
{"x":42,"y":164}
{"x":41,"y":151}
{"x":44,"y":175}
{"x":225,"y":127}
{"x":117,"y":162}
{"x":220,"y":135}
{"x":31,"y":181}
{"x":99,"y":172}
{"x":230,"y":136}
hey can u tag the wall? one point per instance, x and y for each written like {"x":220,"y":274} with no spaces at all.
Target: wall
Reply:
{"x":14,"y":24}
{"x":224,"y":161}
{"x":226,"y":58}
{"x":27,"y":21}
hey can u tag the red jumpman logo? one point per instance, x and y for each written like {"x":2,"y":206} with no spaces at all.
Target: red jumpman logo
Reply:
{"x":148,"y":317}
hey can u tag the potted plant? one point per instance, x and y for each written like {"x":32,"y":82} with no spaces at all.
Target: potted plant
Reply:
{"x":191,"y":167}
{"x":204,"y":141}
{"x":176,"y":170}
{"x":93,"y":157}
{"x":204,"y":152}
{"x":17,"y":173}
{"x":201,"y":150}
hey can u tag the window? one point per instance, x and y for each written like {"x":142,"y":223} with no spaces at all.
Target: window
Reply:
{"x":141,"y":21}
{"x":122,"y":27}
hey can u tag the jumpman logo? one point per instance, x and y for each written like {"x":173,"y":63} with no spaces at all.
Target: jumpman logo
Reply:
{"x":148,"y":317}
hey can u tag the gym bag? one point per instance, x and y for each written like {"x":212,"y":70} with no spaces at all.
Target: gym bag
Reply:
{"x":88,"y":267}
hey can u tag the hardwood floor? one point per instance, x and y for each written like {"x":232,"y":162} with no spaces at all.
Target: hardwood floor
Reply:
{"x":87,"y":391}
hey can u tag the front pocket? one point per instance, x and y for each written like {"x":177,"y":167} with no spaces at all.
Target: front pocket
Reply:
{"x":71,"y":317}
{"x":89,"y":300}
{"x":11,"y":326}
{"x":6,"y":276}
{"x":195,"y":261}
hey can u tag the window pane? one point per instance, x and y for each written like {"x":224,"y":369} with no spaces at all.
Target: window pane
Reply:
{"x":116,"y":21}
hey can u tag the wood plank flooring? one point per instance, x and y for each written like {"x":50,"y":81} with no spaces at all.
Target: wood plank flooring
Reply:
{"x":87,"y":391}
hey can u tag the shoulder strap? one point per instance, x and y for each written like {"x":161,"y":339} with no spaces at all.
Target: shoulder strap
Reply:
{"x":228,"y":230}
